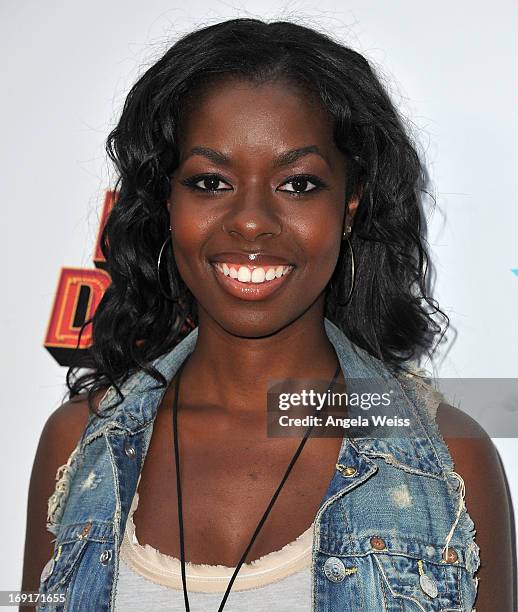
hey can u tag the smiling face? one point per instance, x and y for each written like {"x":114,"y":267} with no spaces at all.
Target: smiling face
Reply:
{"x":257,"y":206}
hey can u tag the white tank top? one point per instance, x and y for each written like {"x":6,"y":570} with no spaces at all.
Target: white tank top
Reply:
{"x":151,"y":580}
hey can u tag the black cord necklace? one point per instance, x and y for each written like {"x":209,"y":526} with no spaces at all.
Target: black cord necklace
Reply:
{"x":179,"y":494}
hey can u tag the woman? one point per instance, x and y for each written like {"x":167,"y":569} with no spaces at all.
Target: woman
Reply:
{"x":268,"y":226}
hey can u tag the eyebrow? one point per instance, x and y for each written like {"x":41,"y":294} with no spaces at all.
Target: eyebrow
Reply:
{"x":284,"y":159}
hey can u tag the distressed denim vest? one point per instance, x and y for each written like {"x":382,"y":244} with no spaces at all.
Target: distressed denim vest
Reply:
{"x":392,"y":532}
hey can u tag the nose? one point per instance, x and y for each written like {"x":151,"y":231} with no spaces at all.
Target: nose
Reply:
{"x":252,"y":216}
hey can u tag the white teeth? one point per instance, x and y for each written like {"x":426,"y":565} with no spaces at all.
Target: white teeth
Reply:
{"x":257,"y":275}
{"x":244,"y":274}
{"x":270,"y":274}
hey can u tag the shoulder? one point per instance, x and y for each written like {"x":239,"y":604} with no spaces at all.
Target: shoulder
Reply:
{"x":472,"y":450}
{"x":68,"y":421}
{"x":60,"y":435}
{"x":62,"y":431}
{"x":64,"y":427}
{"x":488,"y":502}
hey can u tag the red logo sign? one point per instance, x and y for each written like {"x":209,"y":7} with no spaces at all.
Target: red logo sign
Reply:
{"x":78,"y":294}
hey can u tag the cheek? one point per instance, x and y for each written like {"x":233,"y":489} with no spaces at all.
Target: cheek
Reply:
{"x":321,"y":242}
{"x":190,"y":227}
{"x":189,"y":233}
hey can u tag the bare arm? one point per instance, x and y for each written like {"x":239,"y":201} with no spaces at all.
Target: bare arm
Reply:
{"x":58,"y":439}
{"x":488,"y":502}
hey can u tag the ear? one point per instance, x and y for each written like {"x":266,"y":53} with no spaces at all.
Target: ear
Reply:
{"x":352,"y":207}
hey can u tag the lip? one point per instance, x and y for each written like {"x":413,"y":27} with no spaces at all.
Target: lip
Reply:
{"x":250,"y":291}
{"x":256,"y":259}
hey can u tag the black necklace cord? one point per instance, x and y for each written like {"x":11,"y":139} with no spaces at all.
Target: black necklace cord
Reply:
{"x":263,"y":518}
{"x":178,"y":485}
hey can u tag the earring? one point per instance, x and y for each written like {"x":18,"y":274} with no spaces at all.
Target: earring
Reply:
{"x":169,"y":297}
{"x":346,"y":236}
{"x":353,"y":271}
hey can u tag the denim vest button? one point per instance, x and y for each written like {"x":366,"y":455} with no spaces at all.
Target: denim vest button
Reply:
{"x":378,"y":543}
{"x":450,"y":555}
{"x":105,"y":557}
{"x":346,"y":470}
{"x":129,"y":450}
{"x":334,"y":569}
{"x":84,"y":532}
{"x":428,"y":585}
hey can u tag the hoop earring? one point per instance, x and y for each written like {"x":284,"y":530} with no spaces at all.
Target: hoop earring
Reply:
{"x":172,"y":298}
{"x":346,"y":236}
{"x":353,"y":271}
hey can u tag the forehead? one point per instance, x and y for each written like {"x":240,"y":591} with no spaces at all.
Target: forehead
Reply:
{"x":275,"y":114}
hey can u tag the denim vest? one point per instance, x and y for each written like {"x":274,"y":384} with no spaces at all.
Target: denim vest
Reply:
{"x":392,"y":532}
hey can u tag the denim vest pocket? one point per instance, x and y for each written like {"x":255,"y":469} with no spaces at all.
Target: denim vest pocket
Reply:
{"x":65,"y":557}
{"x":69,"y":548}
{"x":62,"y":563}
{"x":393,"y":574}
{"x":413,"y":576}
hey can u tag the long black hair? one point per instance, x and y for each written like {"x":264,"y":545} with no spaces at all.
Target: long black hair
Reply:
{"x":390,"y":314}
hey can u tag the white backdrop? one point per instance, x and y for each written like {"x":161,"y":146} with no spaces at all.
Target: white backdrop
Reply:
{"x":66,"y":70}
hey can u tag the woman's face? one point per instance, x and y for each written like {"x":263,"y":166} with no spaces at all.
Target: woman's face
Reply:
{"x":257,"y":206}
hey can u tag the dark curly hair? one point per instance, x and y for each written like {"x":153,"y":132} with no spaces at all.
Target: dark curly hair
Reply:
{"x":390,"y":314}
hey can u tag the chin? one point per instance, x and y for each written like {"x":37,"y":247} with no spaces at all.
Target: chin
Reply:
{"x":253,"y":324}
{"x":261,"y":324}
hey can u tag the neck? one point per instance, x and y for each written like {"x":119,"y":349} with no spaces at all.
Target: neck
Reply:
{"x":234,"y":372}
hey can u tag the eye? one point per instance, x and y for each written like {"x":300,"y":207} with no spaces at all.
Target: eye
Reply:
{"x":301,"y":182}
{"x":206,"y":182}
